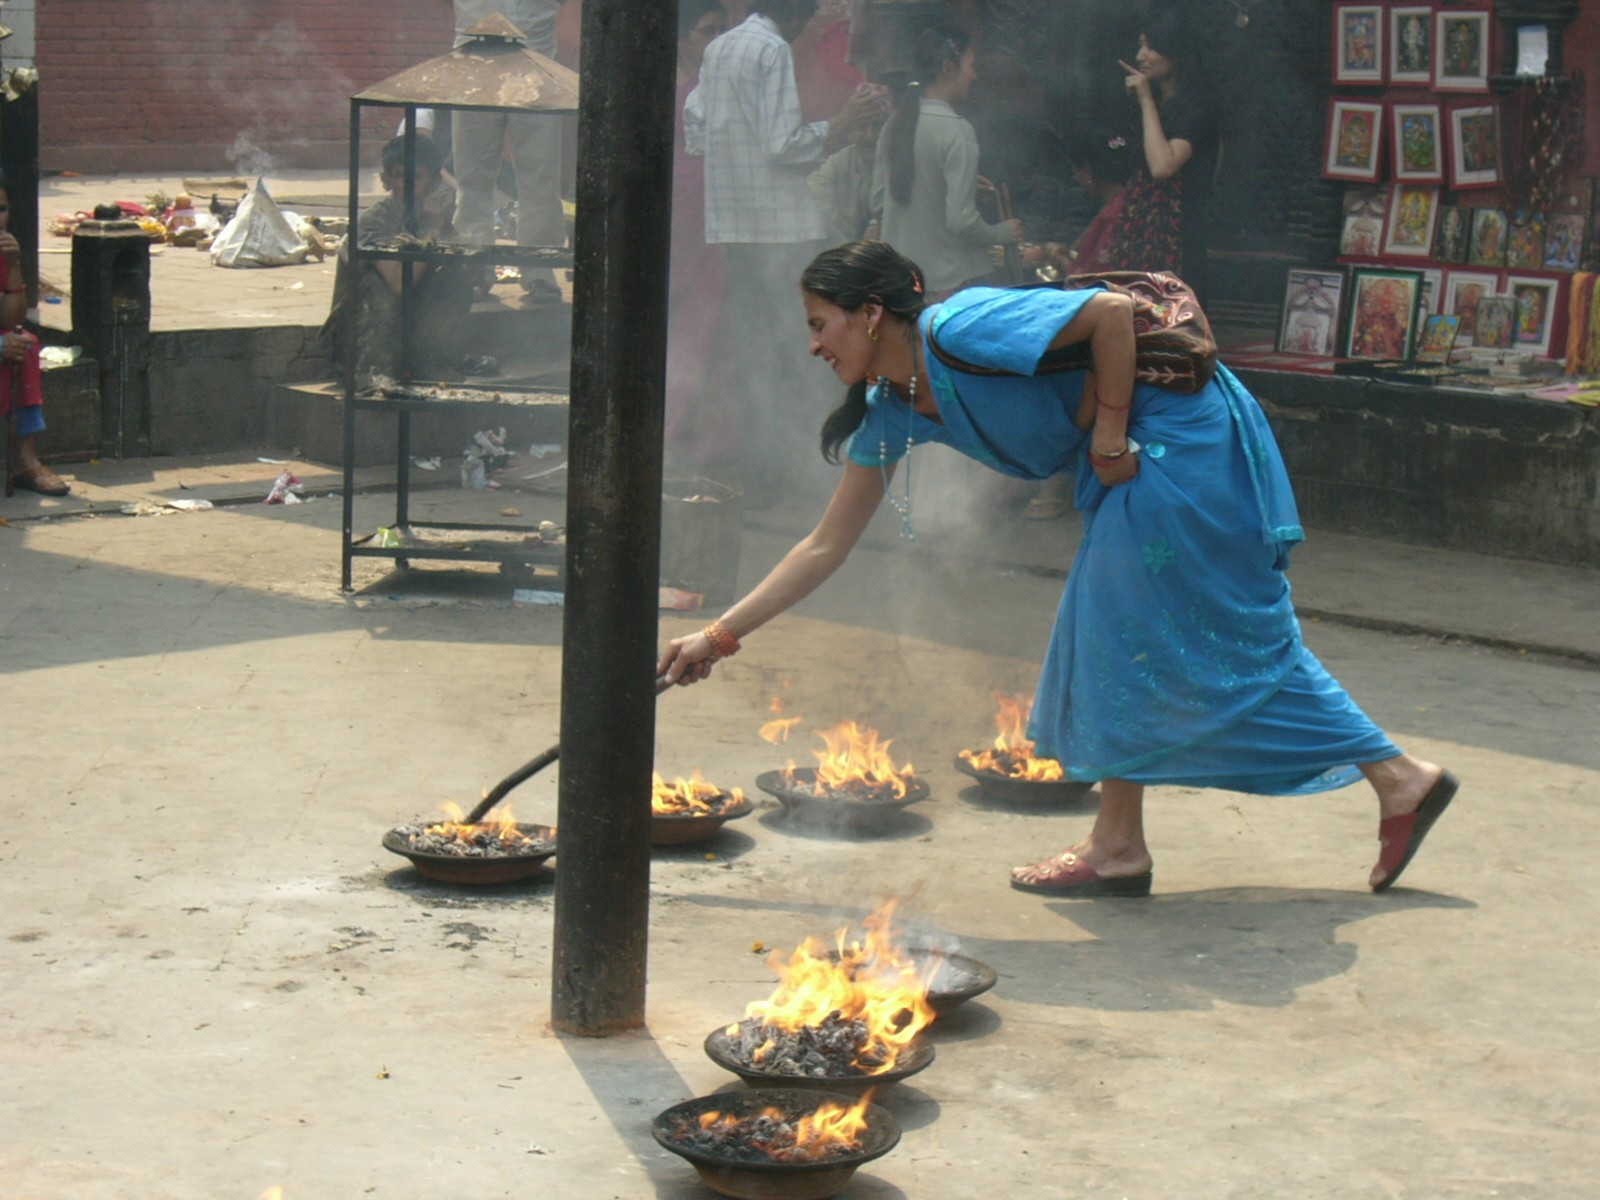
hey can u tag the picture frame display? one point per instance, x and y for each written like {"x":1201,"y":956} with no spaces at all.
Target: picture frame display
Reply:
{"x":1411,"y":44}
{"x":1489,"y":232}
{"x":1563,"y":241}
{"x":1438,"y":337}
{"x":1355,"y":136}
{"x":1358,"y":43}
{"x":1463,"y":292}
{"x":1383,"y":313}
{"x":1534,"y":320}
{"x":1461,"y":50}
{"x":1432,"y":290}
{"x":1525,"y":241}
{"x":1496,"y":318}
{"x":1416,"y":143}
{"x":1455,"y":233}
{"x":1413,"y":215}
{"x":1474,"y":146}
{"x":1312,"y":303}
{"x":1364,"y":209}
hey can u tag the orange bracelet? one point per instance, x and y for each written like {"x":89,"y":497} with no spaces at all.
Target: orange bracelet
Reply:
{"x":723,"y":643}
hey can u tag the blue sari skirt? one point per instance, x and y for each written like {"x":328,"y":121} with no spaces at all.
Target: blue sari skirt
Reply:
{"x":1176,"y":656}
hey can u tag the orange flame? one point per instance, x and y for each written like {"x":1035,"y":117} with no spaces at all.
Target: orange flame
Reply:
{"x":1012,"y":755}
{"x":504,"y":826}
{"x":871,"y":979}
{"x":778,"y":730}
{"x":690,"y":797}
{"x":817,"y":1132}
{"x":853,"y":758}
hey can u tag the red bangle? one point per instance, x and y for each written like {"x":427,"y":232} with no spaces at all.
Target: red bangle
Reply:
{"x":723,"y":643}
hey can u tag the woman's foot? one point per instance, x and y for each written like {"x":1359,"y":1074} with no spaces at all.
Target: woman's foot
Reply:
{"x":1412,"y":793}
{"x":40,"y":478}
{"x":1085,"y":870}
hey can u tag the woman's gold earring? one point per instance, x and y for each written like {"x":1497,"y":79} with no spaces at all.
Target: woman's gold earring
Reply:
{"x":872,"y":333}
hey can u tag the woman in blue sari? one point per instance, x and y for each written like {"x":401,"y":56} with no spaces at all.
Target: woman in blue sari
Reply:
{"x":1176,"y":656}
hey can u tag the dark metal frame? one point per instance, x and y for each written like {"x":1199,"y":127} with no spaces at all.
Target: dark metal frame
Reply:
{"x":403,"y":408}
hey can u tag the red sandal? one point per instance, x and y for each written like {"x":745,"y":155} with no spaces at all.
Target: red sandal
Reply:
{"x":1068,"y":875}
{"x":1399,"y":838}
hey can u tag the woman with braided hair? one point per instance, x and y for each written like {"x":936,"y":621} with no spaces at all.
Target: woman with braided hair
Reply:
{"x":1176,"y":656}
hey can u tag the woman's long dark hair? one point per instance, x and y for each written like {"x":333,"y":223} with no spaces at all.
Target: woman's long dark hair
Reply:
{"x":1170,"y":34}
{"x":850,"y":276}
{"x":929,"y":53}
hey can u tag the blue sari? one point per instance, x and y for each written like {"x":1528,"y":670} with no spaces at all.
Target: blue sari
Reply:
{"x":1176,"y":656}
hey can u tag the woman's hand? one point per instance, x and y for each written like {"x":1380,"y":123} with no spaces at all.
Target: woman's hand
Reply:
{"x":1137,"y":82}
{"x":1013,"y":228}
{"x":1112,"y":471}
{"x":14,"y":346}
{"x":686,"y":660}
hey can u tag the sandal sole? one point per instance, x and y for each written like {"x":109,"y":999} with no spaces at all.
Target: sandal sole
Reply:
{"x":1128,"y":886}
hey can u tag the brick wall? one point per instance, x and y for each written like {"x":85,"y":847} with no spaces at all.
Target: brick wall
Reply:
{"x":208,"y":85}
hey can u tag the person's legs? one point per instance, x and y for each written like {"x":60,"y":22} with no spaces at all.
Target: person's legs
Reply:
{"x":535,"y":144}
{"x":477,"y":139}
{"x":31,"y":473}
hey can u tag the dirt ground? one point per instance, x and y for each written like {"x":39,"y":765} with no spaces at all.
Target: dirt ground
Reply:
{"x":217,"y":981}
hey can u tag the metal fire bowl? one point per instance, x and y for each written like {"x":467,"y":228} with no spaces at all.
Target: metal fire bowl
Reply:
{"x":828,"y":812}
{"x":957,"y":979}
{"x":917,"y":1055}
{"x":1032,"y":793}
{"x":677,"y":829}
{"x":448,"y":868}
{"x":766,"y":1180}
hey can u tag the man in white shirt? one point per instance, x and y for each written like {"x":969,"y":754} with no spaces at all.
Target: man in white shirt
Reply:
{"x":745,"y":120}
{"x":479,"y":139}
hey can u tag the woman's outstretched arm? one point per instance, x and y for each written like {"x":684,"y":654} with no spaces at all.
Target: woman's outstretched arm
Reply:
{"x":814,"y":558}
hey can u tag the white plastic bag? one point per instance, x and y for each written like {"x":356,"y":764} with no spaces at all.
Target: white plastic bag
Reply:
{"x":258,"y":236}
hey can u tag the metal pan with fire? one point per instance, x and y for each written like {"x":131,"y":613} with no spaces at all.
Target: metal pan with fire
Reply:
{"x":777,"y":1143}
{"x":847,"y":1017}
{"x":691,"y":810}
{"x":855,"y":786}
{"x":1009,"y":773}
{"x":478,"y":852}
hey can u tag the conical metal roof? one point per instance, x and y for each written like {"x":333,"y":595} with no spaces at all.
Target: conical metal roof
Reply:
{"x":493,"y":70}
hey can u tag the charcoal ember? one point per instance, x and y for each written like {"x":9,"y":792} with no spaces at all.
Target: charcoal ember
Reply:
{"x":764,"y":1137}
{"x":838,"y":1046}
{"x":484,"y":841}
{"x":857,"y":791}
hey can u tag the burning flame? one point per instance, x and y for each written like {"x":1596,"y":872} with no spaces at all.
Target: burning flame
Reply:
{"x":690,"y":797}
{"x":1012,"y":755}
{"x":853,"y":759}
{"x":504,"y":826}
{"x":777,"y":730}
{"x":871,"y":979}
{"x":815,"y":1133}
{"x":272,"y":1193}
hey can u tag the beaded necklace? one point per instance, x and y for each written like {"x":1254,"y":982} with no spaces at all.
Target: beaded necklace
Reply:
{"x":903,"y":507}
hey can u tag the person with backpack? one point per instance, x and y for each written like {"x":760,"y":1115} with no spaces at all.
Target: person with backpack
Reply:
{"x":1176,"y":656}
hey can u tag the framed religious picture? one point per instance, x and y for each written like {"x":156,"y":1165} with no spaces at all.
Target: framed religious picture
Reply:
{"x":1461,"y":50}
{"x":1475,"y":146}
{"x":1463,"y":292}
{"x":1563,"y":241}
{"x":1413,"y":213}
{"x":1362,"y":236}
{"x":1415,"y":143}
{"x":1438,"y":337}
{"x":1311,"y":305}
{"x":1488,"y":245}
{"x":1496,"y":318}
{"x":1525,"y":241}
{"x":1358,"y":43}
{"x":1534,"y":320}
{"x":1455,"y":230}
{"x":1411,"y":44}
{"x":1432,"y":290}
{"x":1355,"y":132}
{"x":1383,"y":313}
